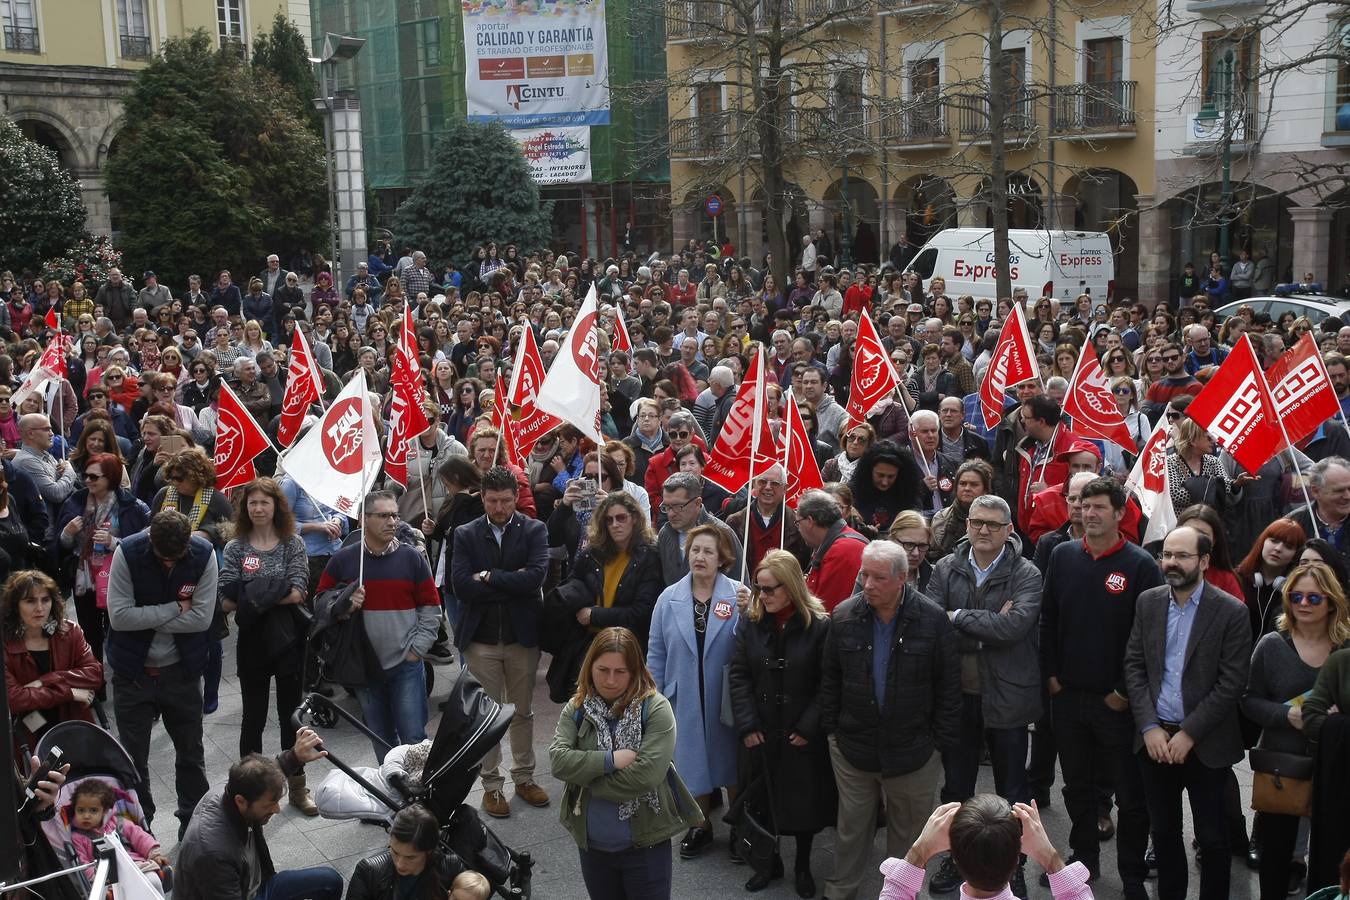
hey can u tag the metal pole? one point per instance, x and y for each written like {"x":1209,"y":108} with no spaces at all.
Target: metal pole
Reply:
{"x":9,"y":816}
{"x":845,"y":250}
{"x":1228,"y":70}
{"x":325,"y":88}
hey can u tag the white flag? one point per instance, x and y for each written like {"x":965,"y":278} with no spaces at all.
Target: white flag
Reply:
{"x":571,"y":389}
{"x":39,"y":379}
{"x":338,"y":458}
{"x":1150,"y":483}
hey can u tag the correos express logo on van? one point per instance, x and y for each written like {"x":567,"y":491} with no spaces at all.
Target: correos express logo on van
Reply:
{"x":986,"y":270}
{"x":1081,"y":258}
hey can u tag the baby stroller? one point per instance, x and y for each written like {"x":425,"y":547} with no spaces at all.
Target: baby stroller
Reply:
{"x":471,"y":724}
{"x":93,"y":754}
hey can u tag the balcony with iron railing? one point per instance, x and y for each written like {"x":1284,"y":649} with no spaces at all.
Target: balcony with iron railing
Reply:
{"x":908,"y":7}
{"x":695,"y":20}
{"x":22,"y":40}
{"x":849,"y":129}
{"x":701,"y":137}
{"x":135,"y":46}
{"x":921,"y":123}
{"x":1093,"y":110}
{"x":973,"y":119}
{"x":836,"y":11}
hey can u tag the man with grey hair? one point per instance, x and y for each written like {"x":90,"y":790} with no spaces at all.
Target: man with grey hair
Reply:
{"x":681,"y":430}
{"x":836,"y":549}
{"x":255,"y":396}
{"x":992,"y":595}
{"x":720,"y":382}
{"x":682,"y":505}
{"x":889,"y":714}
{"x":274,"y":276}
{"x":55,"y":480}
{"x":1326,"y":517}
{"x":417,"y":279}
{"x":773,"y":524}
{"x":117,"y":298}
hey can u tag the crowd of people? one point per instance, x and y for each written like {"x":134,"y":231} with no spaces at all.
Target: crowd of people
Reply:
{"x":954,"y":594}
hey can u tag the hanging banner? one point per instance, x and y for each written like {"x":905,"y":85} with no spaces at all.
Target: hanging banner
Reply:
{"x":536,"y":62}
{"x":556,"y":155}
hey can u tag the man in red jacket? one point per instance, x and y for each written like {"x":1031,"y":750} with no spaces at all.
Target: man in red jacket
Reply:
{"x":1039,"y":454}
{"x":836,"y":549}
{"x":682,"y":430}
{"x":1050,"y":508}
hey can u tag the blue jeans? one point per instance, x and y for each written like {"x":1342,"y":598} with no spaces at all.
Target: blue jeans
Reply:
{"x":1007,"y":752}
{"x":633,"y":874}
{"x":318,"y":883}
{"x":396,"y":709}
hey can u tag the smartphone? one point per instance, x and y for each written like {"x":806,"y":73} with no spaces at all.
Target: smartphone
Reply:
{"x":52,"y":763}
{"x":172,"y":443}
{"x":588,"y":489}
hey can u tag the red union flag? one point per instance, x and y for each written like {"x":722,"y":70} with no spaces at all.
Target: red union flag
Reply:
{"x":1301,"y":390}
{"x":239,"y":440}
{"x":304,"y":386}
{"x":407,"y":419}
{"x":337,"y":460}
{"x":53,"y":358}
{"x":873,"y":375}
{"x":571,"y":389}
{"x":1237,"y":409}
{"x":502,"y":421}
{"x":1091,"y":405}
{"x":1013,"y":362}
{"x":53,"y":320}
{"x":1148,"y":482}
{"x":622,"y":341}
{"x":729,"y":463}
{"x":527,"y":376}
{"x":799,"y":459}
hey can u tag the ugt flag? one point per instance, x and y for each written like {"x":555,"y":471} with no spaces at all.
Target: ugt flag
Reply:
{"x":1013,"y":362}
{"x":337,"y":460}
{"x":1091,"y":405}
{"x":873,"y":375}
{"x":571,"y":388}
{"x":729,"y":463}
{"x":799,"y":460}
{"x":407,"y":419}
{"x":239,"y":441}
{"x":1235,"y":406}
{"x":529,"y":422}
{"x":304,"y":386}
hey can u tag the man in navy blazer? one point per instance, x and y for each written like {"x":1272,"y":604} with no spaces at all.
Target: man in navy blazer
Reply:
{"x":498,"y":572}
{"x":1186,"y":667}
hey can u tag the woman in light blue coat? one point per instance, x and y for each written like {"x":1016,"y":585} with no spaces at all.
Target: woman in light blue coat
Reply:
{"x":693,"y":640}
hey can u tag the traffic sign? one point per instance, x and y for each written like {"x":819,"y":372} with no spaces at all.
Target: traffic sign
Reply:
{"x":713,"y":205}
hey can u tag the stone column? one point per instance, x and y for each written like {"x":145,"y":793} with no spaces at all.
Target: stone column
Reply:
{"x":1061,"y":212}
{"x":752,"y":224}
{"x":1312,"y":242}
{"x":1155,"y":251}
{"x":970,"y":213}
{"x":98,"y":209}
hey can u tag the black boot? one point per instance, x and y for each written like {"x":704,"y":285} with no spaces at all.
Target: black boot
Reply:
{"x":760,"y":880}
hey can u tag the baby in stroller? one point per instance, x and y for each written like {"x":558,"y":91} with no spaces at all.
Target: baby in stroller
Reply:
{"x":92,"y":814}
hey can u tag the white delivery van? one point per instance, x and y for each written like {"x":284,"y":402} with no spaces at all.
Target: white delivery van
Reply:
{"x":1059,"y":264}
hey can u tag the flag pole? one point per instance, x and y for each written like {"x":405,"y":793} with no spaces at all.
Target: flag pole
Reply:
{"x":1049,"y":453}
{"x":787,"y":451}
{"x":754,"y":447}
{"x":1293,"y":461}
{"x":365,"y":417}
{"x":1344,"y":423}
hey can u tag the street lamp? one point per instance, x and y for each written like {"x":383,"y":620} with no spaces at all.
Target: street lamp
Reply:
{"x":342,"y":216}
{"x":1220,"y":102}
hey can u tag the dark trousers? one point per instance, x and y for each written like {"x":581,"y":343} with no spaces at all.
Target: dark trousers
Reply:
{"x":636,"y":874}
{"x":1007,"y":753}
{"x":1276,"y":835}
{"x":1095,"y":745}
{"x":177,"y":697}
{"x":93,"y":622}
{"x":1163,"y":784}
{"x":318,"y":883}
{"x":255,"y":690}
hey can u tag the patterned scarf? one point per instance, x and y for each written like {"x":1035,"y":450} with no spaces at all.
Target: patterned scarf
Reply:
{"x":200,"y":503}
{"x":627,"y":736}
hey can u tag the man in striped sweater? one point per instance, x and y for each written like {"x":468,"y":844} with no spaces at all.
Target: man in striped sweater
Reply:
{"x":402,"y":611}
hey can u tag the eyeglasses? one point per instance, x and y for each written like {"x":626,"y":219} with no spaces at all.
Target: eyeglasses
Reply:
{"x":1171,"y":357}
{"x":618,"y":519}
{"x":1178,"y":556}
{"x":857,"y":438}
{"x":768,"y":588}
{"x":914,"y":546}
{"x":1173,"y":416}
{"x":114,"y":377}
{"x":1297,"y":598}
{"x":669,"y":508}
{"x":681,"y":434}
{"x":984,"y":525}
{"x":1122,"y":391}
{"x":92,"y":476}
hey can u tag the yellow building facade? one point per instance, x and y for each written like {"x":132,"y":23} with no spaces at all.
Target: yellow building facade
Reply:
{"x":888,"y":126}
{"x":65,"y":64}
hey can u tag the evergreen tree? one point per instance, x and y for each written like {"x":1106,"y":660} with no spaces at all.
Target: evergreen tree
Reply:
{"x":283,"y":53}
{"x":41,"y":212}
{"x":211,"y":172}
{"x":477,"y":189}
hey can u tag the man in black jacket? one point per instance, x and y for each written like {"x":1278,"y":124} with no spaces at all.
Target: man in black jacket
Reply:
{"x":224,"y":856}
{"x":886,"y":738}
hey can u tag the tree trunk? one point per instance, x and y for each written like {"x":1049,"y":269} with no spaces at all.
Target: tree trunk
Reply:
{"x":998,"y":172}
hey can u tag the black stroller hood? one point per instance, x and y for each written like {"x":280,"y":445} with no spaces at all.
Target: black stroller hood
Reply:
{"x":90,"y":751}
{"x":472,"y":723}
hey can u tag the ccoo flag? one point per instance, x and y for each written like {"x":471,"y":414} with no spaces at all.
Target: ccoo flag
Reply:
{"x":873,"y":375}
{"x":1301,"y":390}
{"x":337,"y":460}
{"x":1090,"y":404}
{"x":571,"y":388}
{"x":239,"y":441}
{"x":1013,"y":362}
{"x":1235,"y":406}
{"x":729,"y":461}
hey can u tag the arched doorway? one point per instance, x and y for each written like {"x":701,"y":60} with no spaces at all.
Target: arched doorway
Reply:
{"x":51,"y":137}
{"x":1105,"y":202}
{"x":1026,"y":207}
{"x":1338,"y":276}
{"x":1259,"y":221}
{"x":930,"y":206}
{"x":796,"y":219}
{"x":855,"y":222}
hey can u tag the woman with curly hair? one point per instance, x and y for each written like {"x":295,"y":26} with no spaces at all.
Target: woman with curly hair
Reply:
{"x":51,"y":675}
{"x":885,"y":482}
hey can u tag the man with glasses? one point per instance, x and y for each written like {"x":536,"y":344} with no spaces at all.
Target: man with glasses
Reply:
{"x":682,"y":506}
{"x":773,"y":526}
{"x":1087,"y":610}
{"x":161,"y":599}
{"x":1175,"y":382}
{"x":55,"y":480}
{"x":1186,"y":668}
{"x":836,"y":549}
{"x":681,"y":431}
{"x":1204,"y":354}
{"x":500,"y":562}
{"x":992,"y":595}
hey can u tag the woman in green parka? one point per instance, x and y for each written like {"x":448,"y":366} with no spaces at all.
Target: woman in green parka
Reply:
{"x":623,"y":800}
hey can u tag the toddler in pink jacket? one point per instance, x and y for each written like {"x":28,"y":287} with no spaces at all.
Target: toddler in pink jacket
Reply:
{"x":90,"y":819}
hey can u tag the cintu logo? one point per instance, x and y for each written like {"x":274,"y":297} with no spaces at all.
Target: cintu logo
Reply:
{"x":516,"y":94}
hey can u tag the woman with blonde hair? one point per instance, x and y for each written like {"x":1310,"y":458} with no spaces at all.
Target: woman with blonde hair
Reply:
{"x":613,"y":749}
{"x":775,"y":675}
{"x":1194,"y":472}
{"x":912,"y":532}
{"x":1285,"y":665}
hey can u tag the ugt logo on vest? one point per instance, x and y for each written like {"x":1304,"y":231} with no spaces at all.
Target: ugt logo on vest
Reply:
{"x":1116,"y":582}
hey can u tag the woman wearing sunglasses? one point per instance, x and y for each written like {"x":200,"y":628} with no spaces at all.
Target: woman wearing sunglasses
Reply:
{"x":1286,"y":666}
